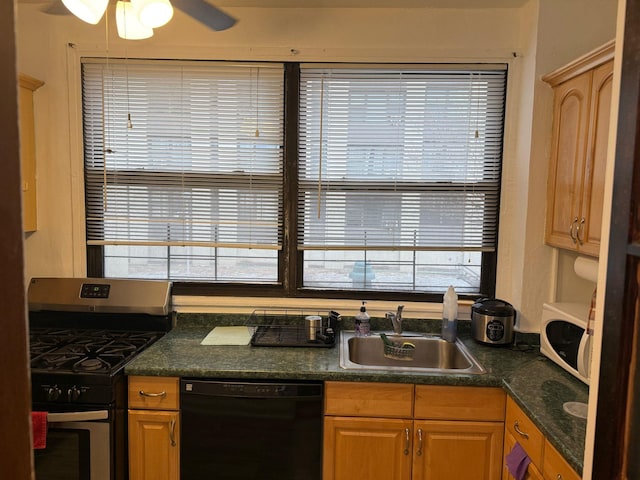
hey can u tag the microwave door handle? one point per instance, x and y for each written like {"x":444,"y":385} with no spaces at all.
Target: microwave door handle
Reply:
{"x":584,"y":355}
{"x":78,"y":416}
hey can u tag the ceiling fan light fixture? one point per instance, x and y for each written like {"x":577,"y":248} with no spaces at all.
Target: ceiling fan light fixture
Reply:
{"x":128,"y":24}
{"x":153,"y":13}
{"x":90,"y":11}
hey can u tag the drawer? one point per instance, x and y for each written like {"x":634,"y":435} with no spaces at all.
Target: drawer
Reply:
{"x":436,"y":402}
{"x":361,"y":399}
{"x":555,"y":467}
{"x":154,"y":393}
{"x":525,"y":432}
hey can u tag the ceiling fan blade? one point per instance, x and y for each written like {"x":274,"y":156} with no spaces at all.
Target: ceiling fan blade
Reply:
{"x":204,"y":12}
{"x":56,"y":8}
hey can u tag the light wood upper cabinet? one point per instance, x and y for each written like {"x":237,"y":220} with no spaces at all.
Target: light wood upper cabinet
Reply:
{"x":581,"y":110}
{"x":28,"y":85}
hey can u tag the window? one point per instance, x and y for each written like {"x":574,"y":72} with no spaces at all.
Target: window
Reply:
{"x":399,"y":176}
{"x":391,"y":185}
{"x":183,"y":168}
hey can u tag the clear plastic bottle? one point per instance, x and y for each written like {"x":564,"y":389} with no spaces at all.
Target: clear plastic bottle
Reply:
{"x":362,"y":322}
{"x":450,"y":315}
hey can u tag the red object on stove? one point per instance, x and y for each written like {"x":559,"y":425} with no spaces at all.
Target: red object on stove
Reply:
{"x":39,"y":429}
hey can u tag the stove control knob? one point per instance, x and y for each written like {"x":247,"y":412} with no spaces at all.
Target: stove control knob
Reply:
{"x":53,"y":393}
{"x":73,"y":393}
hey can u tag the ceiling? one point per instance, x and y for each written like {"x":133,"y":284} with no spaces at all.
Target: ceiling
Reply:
{"x":358,"y":3}
{"x":375,"y":3}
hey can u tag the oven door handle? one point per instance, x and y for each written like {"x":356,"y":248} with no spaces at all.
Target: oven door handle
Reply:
{"x":78,"y":416}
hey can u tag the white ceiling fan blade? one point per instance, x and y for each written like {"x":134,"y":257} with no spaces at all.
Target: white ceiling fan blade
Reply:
{"x":205,"y":13}
{"x":56,"y":8}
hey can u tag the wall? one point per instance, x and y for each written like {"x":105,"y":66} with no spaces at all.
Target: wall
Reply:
{"x":542,"y":35}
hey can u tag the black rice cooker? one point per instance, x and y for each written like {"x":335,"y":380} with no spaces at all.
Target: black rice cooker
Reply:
{"x":493,"y":321}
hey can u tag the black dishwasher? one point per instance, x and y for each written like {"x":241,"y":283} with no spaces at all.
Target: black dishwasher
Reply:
{"x":248,"y":430}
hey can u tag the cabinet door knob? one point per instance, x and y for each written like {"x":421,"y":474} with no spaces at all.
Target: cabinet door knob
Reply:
{"x":419,"y":452}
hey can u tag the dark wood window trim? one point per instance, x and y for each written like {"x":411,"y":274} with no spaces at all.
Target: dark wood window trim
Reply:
{"x":290,"y":259}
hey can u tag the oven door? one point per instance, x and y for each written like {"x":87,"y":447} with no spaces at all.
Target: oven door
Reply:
{"x":78,"y":447}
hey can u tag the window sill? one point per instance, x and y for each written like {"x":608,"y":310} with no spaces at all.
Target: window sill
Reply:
{"x":246,"y":305}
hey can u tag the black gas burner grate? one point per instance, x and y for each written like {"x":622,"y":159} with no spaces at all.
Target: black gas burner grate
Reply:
{"x":80,"y":350}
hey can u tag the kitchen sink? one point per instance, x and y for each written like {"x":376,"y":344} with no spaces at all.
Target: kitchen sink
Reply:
{"x":421,"y":353}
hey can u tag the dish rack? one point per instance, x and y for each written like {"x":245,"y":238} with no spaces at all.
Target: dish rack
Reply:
{"x":286,"y":328}
{"x":397,"y":352}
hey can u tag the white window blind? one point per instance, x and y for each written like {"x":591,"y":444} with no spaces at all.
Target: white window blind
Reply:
{"x":399,"y":159}
{"x":184,"y":154}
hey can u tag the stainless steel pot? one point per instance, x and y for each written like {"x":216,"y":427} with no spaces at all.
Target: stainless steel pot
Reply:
{"x":493,"y":321}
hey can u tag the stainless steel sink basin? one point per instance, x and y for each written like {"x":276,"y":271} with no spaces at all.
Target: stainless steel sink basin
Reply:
{"x":430,"y":353}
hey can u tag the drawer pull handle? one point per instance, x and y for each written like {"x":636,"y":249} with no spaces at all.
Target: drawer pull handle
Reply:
{"x":419,"y":452}
{"x":516,"y":427}
{"x":558,"y":477}
{"x":142,"y":393}
{"x":172,"y":432}
{"x":406,"y":441}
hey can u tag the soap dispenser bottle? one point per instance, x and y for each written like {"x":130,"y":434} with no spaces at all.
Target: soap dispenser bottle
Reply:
{"x":362,"y":323}
{"x":450,"y":315}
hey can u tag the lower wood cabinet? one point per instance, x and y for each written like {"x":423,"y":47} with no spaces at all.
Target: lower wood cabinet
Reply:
{"x":532,"y":471}
{"x":362,"y":441}
{"x":371,"y":448}
{"x":154,"y":428}
{"x":544,"y":457}
{"x":153,"y":445}
{"x":457,"y":449}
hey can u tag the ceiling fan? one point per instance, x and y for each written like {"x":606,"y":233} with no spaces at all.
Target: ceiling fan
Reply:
{"x":136,"y":19}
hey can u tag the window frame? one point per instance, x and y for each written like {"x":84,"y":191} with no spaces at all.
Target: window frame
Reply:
{"x":290,"y":259}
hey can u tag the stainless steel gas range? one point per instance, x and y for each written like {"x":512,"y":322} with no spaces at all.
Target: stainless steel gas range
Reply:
{"x":83,"y":331}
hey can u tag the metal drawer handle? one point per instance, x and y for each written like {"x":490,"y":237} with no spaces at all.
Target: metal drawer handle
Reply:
{"x":559,"y":477}
{"x":142,"y":393}
{"x":172,"y":432}
{"x":516,"y":427}
{"x":419,"y":452}
{"x":406,"y":441}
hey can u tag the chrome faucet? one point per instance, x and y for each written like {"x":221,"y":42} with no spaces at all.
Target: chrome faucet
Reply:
{"x":396,"y":320}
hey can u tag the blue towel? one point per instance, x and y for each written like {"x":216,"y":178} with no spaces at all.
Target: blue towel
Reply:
{"x":517,"y":462}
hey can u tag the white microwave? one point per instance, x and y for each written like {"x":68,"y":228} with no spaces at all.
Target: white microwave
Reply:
{"x":564,"y":338}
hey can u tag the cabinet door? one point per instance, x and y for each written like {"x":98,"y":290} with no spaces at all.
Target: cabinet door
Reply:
{"x":555,"y":467}
{"x":367,"y":448}
{"x":154,"y":448}
{"x":570,"y":120}
{"x":532,"y":472}
{"x":449,"y":449}
{"x":595,"y":165}
{"x":28,"y":151}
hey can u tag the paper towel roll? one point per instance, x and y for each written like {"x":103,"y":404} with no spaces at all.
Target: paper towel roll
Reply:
{"x":586,"y":268}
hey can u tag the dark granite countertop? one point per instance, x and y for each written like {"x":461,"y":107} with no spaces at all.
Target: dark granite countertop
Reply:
{"x":537,"y":385}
